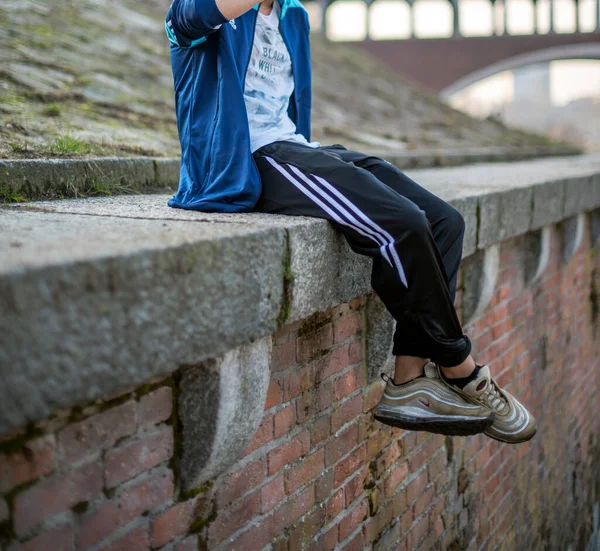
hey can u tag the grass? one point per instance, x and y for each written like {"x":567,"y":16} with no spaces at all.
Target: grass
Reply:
{"x":66,"y":144}
{"x":52,"y":110}
{"x":9,"y":195}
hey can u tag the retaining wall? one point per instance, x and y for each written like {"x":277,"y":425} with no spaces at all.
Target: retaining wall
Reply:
{"x":267,"y":440}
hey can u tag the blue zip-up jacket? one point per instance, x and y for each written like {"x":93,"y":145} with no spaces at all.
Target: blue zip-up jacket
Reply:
{"x":209,"y":57}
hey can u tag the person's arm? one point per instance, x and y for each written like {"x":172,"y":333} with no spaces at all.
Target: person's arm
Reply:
{"x":193,"y":20}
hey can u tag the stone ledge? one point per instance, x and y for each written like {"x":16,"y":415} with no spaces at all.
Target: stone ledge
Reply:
{"x":100,"y":295}
{"x":59,"y":178}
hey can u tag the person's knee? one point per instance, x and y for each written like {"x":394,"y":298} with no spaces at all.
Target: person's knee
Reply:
{"x":455,"y":221}
{"x":417,"y":223}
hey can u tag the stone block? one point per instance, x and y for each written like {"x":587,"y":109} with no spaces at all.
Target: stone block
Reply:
{"x":380,"y":333}
{"x":57,"y":177}
{"x":548,"y":200}
{"x":468,"y":208}
{"x":166,"y":173}
{"x":581,"y":194}
{"x":503,"y":215}
{"x":220,"y":407}
{"x":326,"y":270}
{"x":95,"y":305}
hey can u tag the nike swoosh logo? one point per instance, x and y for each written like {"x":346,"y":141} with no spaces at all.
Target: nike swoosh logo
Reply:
{"x":424,"y":402}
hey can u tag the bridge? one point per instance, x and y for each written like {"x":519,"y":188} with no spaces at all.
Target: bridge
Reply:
{"x":455,"y":58}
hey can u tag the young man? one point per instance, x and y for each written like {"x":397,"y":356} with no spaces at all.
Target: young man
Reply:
{"x":242,"y":80}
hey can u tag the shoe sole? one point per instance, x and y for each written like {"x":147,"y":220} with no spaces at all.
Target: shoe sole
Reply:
{"x":462,"y":426}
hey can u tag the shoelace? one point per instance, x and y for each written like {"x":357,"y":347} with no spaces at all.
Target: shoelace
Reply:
{"x":492,"y":398}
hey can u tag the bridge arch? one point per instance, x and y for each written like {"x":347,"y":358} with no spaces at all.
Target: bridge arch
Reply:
{"x":572,"y":51}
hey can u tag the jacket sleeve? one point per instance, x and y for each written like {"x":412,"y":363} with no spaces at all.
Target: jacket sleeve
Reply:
{"x":189,"y":22}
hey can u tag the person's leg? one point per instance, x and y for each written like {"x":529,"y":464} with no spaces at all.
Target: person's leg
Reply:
{"x":447,"y":227}
{"x":408,"y":269}
{"x":513,"y":423}
{"x":409,"y":274}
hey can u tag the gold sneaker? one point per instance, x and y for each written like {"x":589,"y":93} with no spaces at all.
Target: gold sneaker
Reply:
{"x":427,"y":404}
{"x":512,"y":424}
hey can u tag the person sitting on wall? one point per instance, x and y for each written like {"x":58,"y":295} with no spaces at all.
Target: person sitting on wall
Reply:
{"x":242,"y":78}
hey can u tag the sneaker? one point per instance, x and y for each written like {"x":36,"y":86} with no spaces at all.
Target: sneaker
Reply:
{"x":426,"y":403}
{"x":513,"y":424}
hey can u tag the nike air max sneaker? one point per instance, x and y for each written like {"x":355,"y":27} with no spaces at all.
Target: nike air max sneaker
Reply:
{"x":512,"y":424}
{"x":426,"y":403}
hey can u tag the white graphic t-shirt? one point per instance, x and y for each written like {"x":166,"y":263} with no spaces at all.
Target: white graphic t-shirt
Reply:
{"x":269,"y":85}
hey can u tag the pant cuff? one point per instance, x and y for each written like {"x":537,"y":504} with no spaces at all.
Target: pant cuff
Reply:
{"x":448,"y":354}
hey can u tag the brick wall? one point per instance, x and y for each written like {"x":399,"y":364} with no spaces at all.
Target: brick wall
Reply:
{"x":320,"y":473}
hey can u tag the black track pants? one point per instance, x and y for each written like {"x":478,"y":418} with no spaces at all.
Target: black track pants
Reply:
{"x":414,"y":237}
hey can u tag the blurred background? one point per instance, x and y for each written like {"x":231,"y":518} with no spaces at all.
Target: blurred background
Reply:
{"x":92,"y":77}
{"x":533,"y":64}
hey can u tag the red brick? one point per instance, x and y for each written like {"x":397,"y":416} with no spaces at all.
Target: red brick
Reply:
{"x":283,"y":356}
{"x":97,"y":433}
{"x":308,"y":346}
{"x":355,"y":487}
{"x":298,"y":382}
{"x":301,"y":535}
{"x":146,"y":495}
{"x":347,"y":326}
{"x":172,"y":523}
{"x":233,"y":518}
{"x":99,"y":524}
{"x":188,"y":544}
{"x":37,"y":458}
{"x":313,"y":401}
{"x":283,"y":421}
{"x":423,"y":503}
{"x":56,"y":539}
{"x":349,"y":381}
{"x":242,"y":481}
{"x":156,"y":407}
{"x":328,"y":540}
{"x":324,"y":485}
{"x":346,"y":411}
{"x":130,"y":504}
{"x":256,"y":537}
{"x":423,"y":454}
{"x":372,"y":396}
{"x":136,"y":540}
{"x":416,"y":486}
{"x":273,"y":394}
{"x":319,"y":430}
{"x":349,"y":465}
{"x":307,"y":469}
{"x":341,"y":445}
{"x":355,"y":353}
{"x":288,"y":451}
{"x":335,"y":504}
{"x":351,"y":521}
{"x":357,"y":543}
{"x":271,"y":494}
{"x":437,"y":467}
{"x":417,"y":532}
{"x":56,"y":495}
{"x":294,"y":508}
{"x":399,"y":504}
{"x":139,"y":456}
{"x":387,"y":458}
{"x":332,"y":363}
{"x":263,"y":434}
